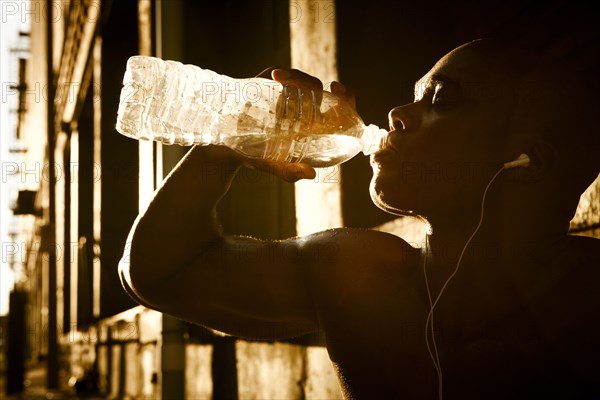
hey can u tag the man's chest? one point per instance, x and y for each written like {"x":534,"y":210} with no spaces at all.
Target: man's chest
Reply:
{"x":376,"y":335}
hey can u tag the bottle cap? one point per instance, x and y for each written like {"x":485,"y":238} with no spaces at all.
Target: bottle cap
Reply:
{"x":373,"y":139}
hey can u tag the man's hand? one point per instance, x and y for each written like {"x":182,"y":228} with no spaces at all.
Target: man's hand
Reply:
{"x":305,"y":81}
{"x":293,"y":77}
{"x":289,"y":172}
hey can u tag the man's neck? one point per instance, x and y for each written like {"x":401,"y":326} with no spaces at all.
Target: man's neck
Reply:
{"x":509,"y":231}
{"x":510,"y":257}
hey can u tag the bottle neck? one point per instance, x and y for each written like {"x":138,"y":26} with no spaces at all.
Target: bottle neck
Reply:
{"x":373,"y":139}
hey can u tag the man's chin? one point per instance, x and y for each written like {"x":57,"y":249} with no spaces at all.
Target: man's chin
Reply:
{"x":378,"y":198}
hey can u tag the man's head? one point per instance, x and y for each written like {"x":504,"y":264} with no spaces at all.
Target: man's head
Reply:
{"x":481,"y":105}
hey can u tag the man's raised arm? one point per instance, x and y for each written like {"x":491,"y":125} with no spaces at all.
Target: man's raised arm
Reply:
{"x":176,"y":260}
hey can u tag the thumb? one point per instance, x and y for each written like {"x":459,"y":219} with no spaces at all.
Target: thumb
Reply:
{"x":296,"y":172}
{"x":286,"y":171}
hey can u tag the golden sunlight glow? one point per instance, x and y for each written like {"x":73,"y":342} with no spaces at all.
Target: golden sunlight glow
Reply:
{"x":60,"y":194}
{"x":318,"y":202}
{"x":146,"y":173}
{"x":74,"y":235}
{"x":313,"y":49}
{"x":146,"y":148}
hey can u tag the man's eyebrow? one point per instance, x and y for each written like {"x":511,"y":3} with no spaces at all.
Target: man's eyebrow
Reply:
{"x":420,"y":85}
{"x":443,"y":78}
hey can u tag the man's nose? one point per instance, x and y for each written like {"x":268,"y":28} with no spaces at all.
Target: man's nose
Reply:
{"x":403,"y":118}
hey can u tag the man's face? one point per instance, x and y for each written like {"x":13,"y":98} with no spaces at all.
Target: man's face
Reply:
{"x":445,"y":146}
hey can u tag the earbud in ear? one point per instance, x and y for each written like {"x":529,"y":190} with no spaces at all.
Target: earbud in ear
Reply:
{"x":521,"y":161}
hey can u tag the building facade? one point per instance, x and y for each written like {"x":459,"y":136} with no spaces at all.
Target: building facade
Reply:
{"x":90,"y":182}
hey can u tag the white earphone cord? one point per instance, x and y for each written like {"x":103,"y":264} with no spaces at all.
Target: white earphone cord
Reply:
{"x":429,"y":322}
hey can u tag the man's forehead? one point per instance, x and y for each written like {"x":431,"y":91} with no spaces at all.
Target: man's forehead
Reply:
{"x":466,"y":68}
{"x":458,"y":65}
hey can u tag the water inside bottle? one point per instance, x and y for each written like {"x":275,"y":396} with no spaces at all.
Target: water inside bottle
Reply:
{"x":316,"y":150}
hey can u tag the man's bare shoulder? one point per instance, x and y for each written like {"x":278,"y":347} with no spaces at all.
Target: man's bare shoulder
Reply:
{"x":359,"y":269}
{"x":370,"y":310}
{"x":353,"y":248}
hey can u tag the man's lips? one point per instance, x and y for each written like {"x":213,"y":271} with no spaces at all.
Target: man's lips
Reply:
{"x":387,"y":150}
{"x":383,"y":154}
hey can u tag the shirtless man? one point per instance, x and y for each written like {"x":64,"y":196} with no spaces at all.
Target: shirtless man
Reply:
{"x":518,"y":320}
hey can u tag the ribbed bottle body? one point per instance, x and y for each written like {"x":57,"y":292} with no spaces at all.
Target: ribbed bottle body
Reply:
{"x":181,"y":104}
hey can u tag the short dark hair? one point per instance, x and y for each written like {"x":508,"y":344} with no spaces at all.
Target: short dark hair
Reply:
{"x":556,"y":101}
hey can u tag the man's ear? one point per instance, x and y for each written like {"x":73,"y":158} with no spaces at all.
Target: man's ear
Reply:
{"x":543,"y":158}
{"x":543,"y":155}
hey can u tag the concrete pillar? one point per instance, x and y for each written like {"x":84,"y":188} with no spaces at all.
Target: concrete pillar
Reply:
{"x":173,"y":358}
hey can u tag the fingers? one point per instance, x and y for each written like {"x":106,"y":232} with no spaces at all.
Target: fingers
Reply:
{"x":294,"y":172}
{"x":344,"y":93}
{"x":288,"y":172}
{"x":267,"y":72}
{"x":296,"y":77}
{"x":302,"y":79}
{"x":291,"y":76}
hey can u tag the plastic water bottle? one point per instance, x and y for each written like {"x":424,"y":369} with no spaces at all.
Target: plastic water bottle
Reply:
{"x":181,"y":104}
